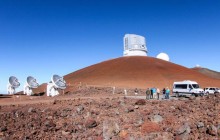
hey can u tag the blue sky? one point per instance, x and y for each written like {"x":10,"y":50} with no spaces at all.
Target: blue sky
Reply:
{"x":46,"y":37}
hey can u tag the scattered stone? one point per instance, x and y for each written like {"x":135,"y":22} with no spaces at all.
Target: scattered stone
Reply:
{"x":65,"y":133}
{"x":64,"y":114}
{"x":110,"y":129}
{"x":79,"y":109}
{"x":33,"y":132}
{"x":156,"y":118}
{"x":183,"y":129}
{"x":200,"y":125}
{"x":117,"y":112}
{"x":139,"y":122}
{"x":123,"y":134}
{"x":3,"y":128}
{"x":149,"y":127}
{"x":31,"y":110}
{"x":45,"y":110}
{"x":50,"y":117}
{"x":136,"y":106}
{"x":49,"y":124}
{"x":218,"y":128}
{"x":212,"y":130}
{"x":210,"y":114}
{"x":80,"y":127}
{"x":183,"y":132}
{"x":90,"y":123}
{"x":129,"y":109}
{"x":172,"y":107}
{"x":140,"y":102}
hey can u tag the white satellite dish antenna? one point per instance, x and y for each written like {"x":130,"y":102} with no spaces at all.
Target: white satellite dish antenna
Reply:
{"x":31,"y":83}
{"x":13,"y":83}
{"x":57,"y":82}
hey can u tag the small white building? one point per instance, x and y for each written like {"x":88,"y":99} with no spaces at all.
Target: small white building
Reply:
{"x":134,"y":45}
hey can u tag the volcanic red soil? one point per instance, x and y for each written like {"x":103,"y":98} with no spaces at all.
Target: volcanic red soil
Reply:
{"x":96,"y":113}
{"x":138,"y":71}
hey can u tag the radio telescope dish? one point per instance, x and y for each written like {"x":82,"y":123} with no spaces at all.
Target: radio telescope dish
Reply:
{"x":57,"y":82}
{"x":13,"y":83}
{"x":30,"y":84}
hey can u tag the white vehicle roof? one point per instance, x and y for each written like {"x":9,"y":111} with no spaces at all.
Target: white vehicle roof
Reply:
{"x":185,"y":82}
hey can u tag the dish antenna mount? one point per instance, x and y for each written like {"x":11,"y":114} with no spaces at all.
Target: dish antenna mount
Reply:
{"x":31,"y":83}
{"x":13,"y":83}
{"x":57,"y":82}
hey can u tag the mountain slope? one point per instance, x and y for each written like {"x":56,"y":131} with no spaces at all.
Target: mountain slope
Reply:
{"x":208,"y":72}
{"x":137,"y":71}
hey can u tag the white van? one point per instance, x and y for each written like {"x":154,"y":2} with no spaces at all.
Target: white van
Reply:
{"x":187,"y":87}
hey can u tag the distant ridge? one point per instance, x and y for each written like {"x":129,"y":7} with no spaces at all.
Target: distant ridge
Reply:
{"x":207,"y":72}
{"x":137,"y":71}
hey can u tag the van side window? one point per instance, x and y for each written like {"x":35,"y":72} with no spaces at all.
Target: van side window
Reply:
{"x":181,"y":86}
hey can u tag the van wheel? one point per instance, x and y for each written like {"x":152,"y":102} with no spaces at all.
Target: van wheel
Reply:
{"x":193,"y":94}
{"x":207,"y":93}
{"x":177,"y":94}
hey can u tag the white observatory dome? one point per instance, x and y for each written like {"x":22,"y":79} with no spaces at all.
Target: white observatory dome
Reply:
{"x":163,"y":56}
{"x":198,"y":66}
{"x":134,"y":45}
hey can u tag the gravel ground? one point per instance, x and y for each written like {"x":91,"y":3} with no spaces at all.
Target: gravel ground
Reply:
{"x":96,"y":114}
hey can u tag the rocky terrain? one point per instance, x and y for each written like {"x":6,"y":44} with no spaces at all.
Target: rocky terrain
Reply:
{"x":97,"y":113}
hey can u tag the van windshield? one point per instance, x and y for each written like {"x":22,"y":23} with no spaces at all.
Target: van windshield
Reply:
{"x":195,"y":85}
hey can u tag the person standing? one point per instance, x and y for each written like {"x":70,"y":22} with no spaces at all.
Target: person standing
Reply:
{"x":148,"y":94}
{"x":158,"y":93}
{"x":167,"y":93}
{"x":164,"y":92}
{"x":151,"y":93}
{"x":154,"y":93}
{"x":125,"y":91}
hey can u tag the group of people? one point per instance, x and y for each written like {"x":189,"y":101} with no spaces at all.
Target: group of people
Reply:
{"x":154,"y":93}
